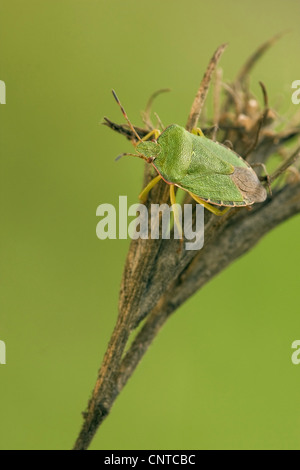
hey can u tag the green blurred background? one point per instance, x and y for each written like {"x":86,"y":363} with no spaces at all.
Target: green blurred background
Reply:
{"x":220,"y":373}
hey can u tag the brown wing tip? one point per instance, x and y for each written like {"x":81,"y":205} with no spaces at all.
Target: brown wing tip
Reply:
{"x":250,"y":187}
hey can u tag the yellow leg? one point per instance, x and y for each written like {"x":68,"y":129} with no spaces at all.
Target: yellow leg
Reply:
{"x":173,"y":201}
{"x":144,"y":193}
{"x":197,"y":131}
{"x":215,"y":210}
{"x":143,"y":196}
{"x":156,"y":133}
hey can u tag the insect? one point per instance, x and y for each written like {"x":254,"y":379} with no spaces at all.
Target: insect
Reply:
{"x":214,"y":175}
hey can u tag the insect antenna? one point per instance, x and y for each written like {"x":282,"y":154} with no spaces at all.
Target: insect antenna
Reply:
{"x":125,"y":116}
{"x":132,"y":155}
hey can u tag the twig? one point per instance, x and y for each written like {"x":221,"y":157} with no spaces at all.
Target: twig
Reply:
{"x":285,"y":165}
{"x":147,"y":112}
{"x":248,"y":66}
{"x":203,"y":89}
{"x":241,"y":81}
{"x":124,"y":129}
{"x":238,"y":236}
{"x":216,"y":102}
{"x":261,"y":121}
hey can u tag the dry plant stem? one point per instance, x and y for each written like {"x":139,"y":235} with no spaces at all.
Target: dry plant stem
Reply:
{"x":285,"y":165}
{"x":232,"y":238}
{"x":238,"y":239}
{"x":246,"y":69}
{"x":203,"y":89}
{"x":242,"y":79}
{"x":158,"y":276}
{"x":146,"y":114}
{"x":137,"y":271}
{"x":140,"y":263}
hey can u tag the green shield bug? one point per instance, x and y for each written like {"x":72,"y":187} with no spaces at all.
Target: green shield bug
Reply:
{"x":211,"y":173}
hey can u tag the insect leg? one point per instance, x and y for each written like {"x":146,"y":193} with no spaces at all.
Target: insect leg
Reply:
{"x":156,"y":133}
{"x":175,"y":212}
{"x":266,"y":177}
{"x":144,"y":193}
{"x":213,"y":209}
{"x":197,"y":131}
